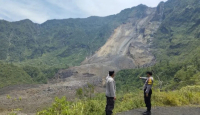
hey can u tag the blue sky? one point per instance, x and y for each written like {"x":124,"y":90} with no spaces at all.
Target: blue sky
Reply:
{"x":41,"y":10}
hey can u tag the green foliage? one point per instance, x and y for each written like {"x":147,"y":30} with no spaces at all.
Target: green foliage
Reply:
{"x":58,"y":42}
{"x":177,"y":39}
{"x":129,"y":79}
{"x":8,"y":97}
{"x":12,"y":113}
{"x":20,"y":98}
{"x":79,"y":92}
{"x":87,"y":91}
{"x":40,"y":75}
{"x":12,"y":75}
{"x":173,"y":76}
{"x":35,"y":73}
{"x":96,"y":106}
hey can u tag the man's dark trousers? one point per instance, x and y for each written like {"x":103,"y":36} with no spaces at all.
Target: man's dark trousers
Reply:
{"x":110,"y":105}
{"x":148,"y":100}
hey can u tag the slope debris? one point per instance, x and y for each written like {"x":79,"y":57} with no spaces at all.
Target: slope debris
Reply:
{"x":128,"y":47}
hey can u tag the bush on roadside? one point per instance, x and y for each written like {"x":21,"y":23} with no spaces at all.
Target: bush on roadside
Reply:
{"x":189,"y":95}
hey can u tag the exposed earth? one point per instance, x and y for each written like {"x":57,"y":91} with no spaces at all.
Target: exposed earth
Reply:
{"x":128,"y":47}
{"x":32,"y":98}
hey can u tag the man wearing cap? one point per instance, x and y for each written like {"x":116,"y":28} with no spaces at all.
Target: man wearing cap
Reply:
{"x":110,"y":92}
{"x":148,"y":91}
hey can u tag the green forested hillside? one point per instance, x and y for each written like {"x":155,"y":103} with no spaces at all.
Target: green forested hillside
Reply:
{"x":64,"y":43}
{"x":58,"y":43}
{"x":178,"y":37}
{"x":176,"y":47}
{"x":40,"y":50}
{"x":11,"y":74}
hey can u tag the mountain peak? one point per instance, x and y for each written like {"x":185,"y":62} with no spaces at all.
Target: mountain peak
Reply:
{"x":142,"y":5}
{"x":27,"y":20}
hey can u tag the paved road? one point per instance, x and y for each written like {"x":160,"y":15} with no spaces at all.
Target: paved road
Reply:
{"x":166,"y":111}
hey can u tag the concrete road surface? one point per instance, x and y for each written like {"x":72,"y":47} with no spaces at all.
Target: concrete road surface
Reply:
{"x":166,"y":111}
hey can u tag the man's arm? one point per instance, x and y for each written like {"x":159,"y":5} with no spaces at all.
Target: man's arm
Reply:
{"x":112,"y":89}
{"x":148,"y":88}
{"x":145,"y":78}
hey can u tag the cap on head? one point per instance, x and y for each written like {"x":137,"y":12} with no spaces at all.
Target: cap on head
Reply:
{"x":111,"y":73}
{"x":150,"y":73}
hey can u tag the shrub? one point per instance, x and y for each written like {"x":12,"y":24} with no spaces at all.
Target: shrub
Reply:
{"x":96,"y":105}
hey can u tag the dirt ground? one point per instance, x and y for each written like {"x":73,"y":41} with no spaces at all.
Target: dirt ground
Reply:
{"x":32,"y":98}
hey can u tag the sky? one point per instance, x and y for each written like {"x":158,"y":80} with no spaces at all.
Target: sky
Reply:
{"x":41,"y":10}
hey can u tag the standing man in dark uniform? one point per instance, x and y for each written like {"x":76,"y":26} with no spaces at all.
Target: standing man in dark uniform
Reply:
{"x":110,"y":92}
{"x":147,"y":92}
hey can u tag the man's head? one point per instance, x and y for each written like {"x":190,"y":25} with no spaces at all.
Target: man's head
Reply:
{"x":149,"y":74}
{"x":112,"y":73}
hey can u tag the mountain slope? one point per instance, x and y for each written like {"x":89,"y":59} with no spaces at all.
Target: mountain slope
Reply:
{"x":63,"y":43}
{"x":175,"y":46}
{"x":135,"y":37}
{"x":169,"y":32}
{"x":56,"y":42}
{"x":178,"y":36}
{"x":11,"y":74}
{"x":128,"y":47}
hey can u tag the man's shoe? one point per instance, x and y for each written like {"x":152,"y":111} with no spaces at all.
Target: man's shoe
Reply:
{"x":147,"y":113}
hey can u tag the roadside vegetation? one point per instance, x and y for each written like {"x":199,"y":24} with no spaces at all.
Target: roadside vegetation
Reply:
{"x":189,"y":95}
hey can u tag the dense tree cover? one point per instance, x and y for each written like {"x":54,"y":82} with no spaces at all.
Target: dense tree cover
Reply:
{"x":167,"y":76}
{"x":177,"y":39}
{"x":11,"y":74}
{"x":59,"y":42}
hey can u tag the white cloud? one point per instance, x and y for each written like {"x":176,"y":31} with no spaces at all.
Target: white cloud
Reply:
{"x":13,"y":10}
{"x":42,"y":10}
{"x":108,"y":7}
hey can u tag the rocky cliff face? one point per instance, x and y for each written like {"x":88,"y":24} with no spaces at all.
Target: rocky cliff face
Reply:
{"x":128,"y":47}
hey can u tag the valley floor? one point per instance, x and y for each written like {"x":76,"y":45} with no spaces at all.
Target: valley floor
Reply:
{"x":166,"y":111}
{"x":30,"y":99}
